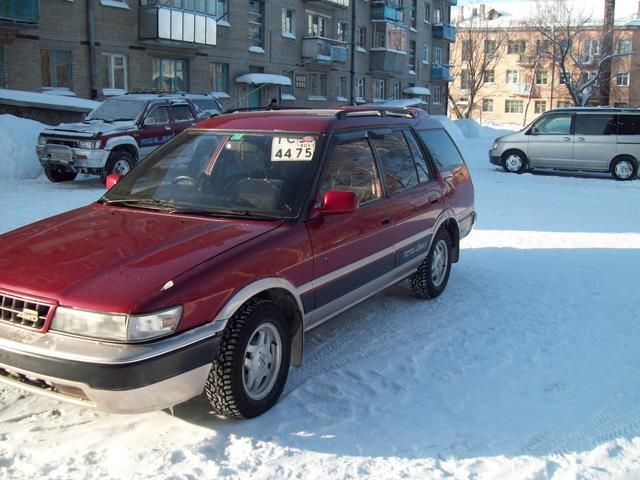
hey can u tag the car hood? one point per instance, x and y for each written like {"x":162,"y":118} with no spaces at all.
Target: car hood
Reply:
{"x":109,"y":258}
{"x":90,"y":127}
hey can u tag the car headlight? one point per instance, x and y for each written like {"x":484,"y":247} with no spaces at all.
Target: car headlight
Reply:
{"x":89,"y":144}
{"x":119,"y":328}
{"x":42,"y":140}
{"x":495,"y":145}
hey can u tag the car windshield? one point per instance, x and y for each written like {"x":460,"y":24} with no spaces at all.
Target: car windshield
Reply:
{"x":225,"y":174}
{"x":112,"y":110}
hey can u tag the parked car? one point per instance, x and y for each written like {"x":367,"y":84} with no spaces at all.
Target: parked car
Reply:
{"x":578,"y":139}
{"x":202,"y":269}
{"x":119,"y":133}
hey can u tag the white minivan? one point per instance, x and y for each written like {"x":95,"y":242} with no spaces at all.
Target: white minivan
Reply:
{"x":590,"y":139}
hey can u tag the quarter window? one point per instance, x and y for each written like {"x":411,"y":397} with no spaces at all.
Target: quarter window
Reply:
{"x":442,"y":148}
{"x":397,"y":162}
{"x":421,"y":162}
{"x":628,"y":124}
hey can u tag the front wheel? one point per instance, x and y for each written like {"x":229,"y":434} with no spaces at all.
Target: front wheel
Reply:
{"x":432,"y":275}
{"x":57,"y":174}
{"x":120,"y":162}
{"x":252,"y":364}
{"x":624,"y":169}
{"x":514,"y":162}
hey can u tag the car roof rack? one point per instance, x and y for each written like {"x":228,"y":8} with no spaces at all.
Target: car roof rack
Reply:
{"x":376,"y":112}
{"x":261,"y":109}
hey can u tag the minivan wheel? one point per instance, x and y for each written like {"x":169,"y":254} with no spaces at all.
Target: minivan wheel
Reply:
{"x":432,"y":275}
{"x":252,"y":364}
{"x":514,"y":162}
{"x":624,"y":168}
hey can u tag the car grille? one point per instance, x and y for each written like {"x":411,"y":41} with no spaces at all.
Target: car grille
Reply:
{"x":63,"y":141}
{"x":22,"y":312}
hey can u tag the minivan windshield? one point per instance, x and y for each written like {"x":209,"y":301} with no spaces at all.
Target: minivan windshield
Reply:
{"x":112,"y":110}
{"x":262,"y":175}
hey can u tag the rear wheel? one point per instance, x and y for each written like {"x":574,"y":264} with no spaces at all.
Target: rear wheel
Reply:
{"x":252,"y":364}
{"x":57,"y":174}
{"x":120,"y":162}
{"x":514,"y":162}
{"x":432,"y":275}
{"x":624,"y":168}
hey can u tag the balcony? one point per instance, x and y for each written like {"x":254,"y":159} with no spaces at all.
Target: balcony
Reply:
{"x":441,"y":72}
{"x":444,"y":31}
{"x":387,"y":11}
{"x":19,"y":12}
{"x":334,"y":3}
{"x":176,"y":25}
{"x":387,"y":62}
{"x":324,"y":50}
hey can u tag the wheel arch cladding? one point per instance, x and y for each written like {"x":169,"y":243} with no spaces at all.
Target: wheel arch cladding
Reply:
{"x":454,"y":234}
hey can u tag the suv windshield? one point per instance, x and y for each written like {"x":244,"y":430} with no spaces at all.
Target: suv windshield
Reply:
{"x":112,"y":110}
{"x":226,"y":174}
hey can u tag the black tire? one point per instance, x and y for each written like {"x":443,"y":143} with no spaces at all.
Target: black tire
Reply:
{"x":514,"y":161}
{"x":120,"y":161}
{"x":624,"y":168}
{"x":57,"y":174}
{"x":432,"y":275}
{"x":226,"y":387}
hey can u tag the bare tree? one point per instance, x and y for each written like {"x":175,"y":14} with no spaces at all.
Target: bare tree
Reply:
{"x":571,"y":41}
{"x":481,"y":47}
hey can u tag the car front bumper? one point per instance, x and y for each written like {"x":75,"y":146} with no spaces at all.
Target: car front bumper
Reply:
{"x":494,"y":158}
{"x":74,"y":159}
{"x":117,"y":378}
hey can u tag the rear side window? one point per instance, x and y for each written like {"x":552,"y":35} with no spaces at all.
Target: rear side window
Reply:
{"x":182,"y":113}
{"x":628,"y":124}
{"x":397,"y":162}
{"x":592,"y":124}
{"x":442,"y":148}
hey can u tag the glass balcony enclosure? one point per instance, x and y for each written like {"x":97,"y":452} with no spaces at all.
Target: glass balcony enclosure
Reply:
{"x":189,"y":21}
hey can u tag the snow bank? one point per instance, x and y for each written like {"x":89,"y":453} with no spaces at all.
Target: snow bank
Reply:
{"x":47,"y":100}
{"x":18,"y":140}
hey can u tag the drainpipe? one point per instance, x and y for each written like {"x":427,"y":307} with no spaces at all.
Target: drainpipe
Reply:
{"x":352,"y":101}
{"x":91,"y":34}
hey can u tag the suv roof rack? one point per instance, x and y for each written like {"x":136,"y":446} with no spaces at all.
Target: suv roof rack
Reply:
{"x":162,"y":93}
{"x":261,"y":109}
{"x":377,"y":112}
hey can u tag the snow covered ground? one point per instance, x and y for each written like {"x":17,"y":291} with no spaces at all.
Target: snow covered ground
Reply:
{"x":526,"y":367}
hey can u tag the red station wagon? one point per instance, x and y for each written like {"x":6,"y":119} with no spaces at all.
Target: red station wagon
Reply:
{"x":201,"y":270}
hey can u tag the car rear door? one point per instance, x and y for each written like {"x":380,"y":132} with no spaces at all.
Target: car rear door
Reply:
{"x":353,"y":251}
{"x":595,"y":141}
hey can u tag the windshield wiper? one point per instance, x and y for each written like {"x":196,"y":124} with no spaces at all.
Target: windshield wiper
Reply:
{"x":150,"y":203}
{"x":241,"y":213}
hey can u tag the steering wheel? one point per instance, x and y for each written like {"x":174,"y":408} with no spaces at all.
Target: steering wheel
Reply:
{"x":184,"y":179}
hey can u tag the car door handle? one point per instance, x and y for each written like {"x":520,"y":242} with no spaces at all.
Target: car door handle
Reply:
{"x":167,"y":128}
{"x":385,"y":221}
{"x":581,"y":139}
{"x":566,"y":139}
{"x":434,"y":199}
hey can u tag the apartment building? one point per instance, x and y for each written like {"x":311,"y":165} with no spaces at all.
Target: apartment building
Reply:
{"x":525,"y":82}
{"x":244,"y":51}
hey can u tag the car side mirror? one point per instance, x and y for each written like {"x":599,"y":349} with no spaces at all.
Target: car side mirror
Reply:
{"x":534,"y":131}
{"x":112,"y":179}
{"x":335,"y":202}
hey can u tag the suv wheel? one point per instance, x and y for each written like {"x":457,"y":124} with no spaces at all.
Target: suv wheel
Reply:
{"x":120,"y":162}
{"x":624,"y":168}
{"x":251,"y":368}
{"x":514,"y":162}
{"x":57,"y":174}
{"x":432,"y":275}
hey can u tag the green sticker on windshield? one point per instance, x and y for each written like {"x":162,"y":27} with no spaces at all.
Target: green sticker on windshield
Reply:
{"x":237,"y":136}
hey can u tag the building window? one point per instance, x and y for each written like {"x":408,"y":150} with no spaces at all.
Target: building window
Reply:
{"x":342,"y":88}
{"x":622,"y":79}
{"x":620,"y":105}
{"x":487,"y":105}
{"x":361,"y":38}
{"x":425,"y":53}
{"x":465,"y":79}
{"x":466,"y":50}
{"x":56,"y":68}
{"x":542,"y":77}
{"x":437,"y":95}
{"x":170,"y":74}
{"x":513,"y":76}
{"x":389,"y":36}
{"x":427,"y":12}
{"x":489,"y":76}
{"x":437,"y":15}
{"x":413,"y":13}
{"x":360,"y":87}
{"x":287,"y":89}
{"x":256,"y":18}
{"x":564,"y":104}
{"x":490,"y":47}
{"x":590,"y":51}
{"x":437,"y":55}
{"x":513,"y":106}
{"x":115,"y":71}
{"x":516,"y":46}
{"x":301,"y":81}
{"x":396,"y":90}
{"x":317,"y":26}
{"x":288,"y":23}
{"x":219,"y":77}
{"x":540,"y":106}
{"x":318,"y":85}
{"x":624,"y":45}
{"x":3,"y":82}
{"x":412,"y":57}
{"x":378,"y":89}
{"x":343,"y":32}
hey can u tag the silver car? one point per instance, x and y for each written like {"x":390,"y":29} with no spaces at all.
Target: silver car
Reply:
{"x":577,"y":139}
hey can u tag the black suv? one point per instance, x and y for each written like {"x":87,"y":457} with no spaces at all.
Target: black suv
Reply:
{"x":119,"y":133}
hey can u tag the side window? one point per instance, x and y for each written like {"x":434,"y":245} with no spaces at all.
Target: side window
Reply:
{"x":554,"y":125}
{"x":182,"y":113}
{"x":593,"y":124}
{"x":351,"y":167}
{"x":397,"y":162}
{"x":628,"y":124}
{"x":421,"y":163}
{"x":442,"y":148}
{"x":157,"y":116}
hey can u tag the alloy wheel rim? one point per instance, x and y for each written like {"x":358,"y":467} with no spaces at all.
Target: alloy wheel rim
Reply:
{"x":624,"y":169}
{"x":121,"y":167}
{"x":514,"y":163}
{"x":261,"y":362}
{"x":439,"y":262}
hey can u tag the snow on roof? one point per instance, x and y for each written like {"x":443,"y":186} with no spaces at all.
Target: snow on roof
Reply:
{"x":22,"y":98}
{"x":263,"y":79}
{"x":417,"y":91}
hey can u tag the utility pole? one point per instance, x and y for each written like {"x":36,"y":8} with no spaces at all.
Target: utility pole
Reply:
{"x":606,"y":50}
